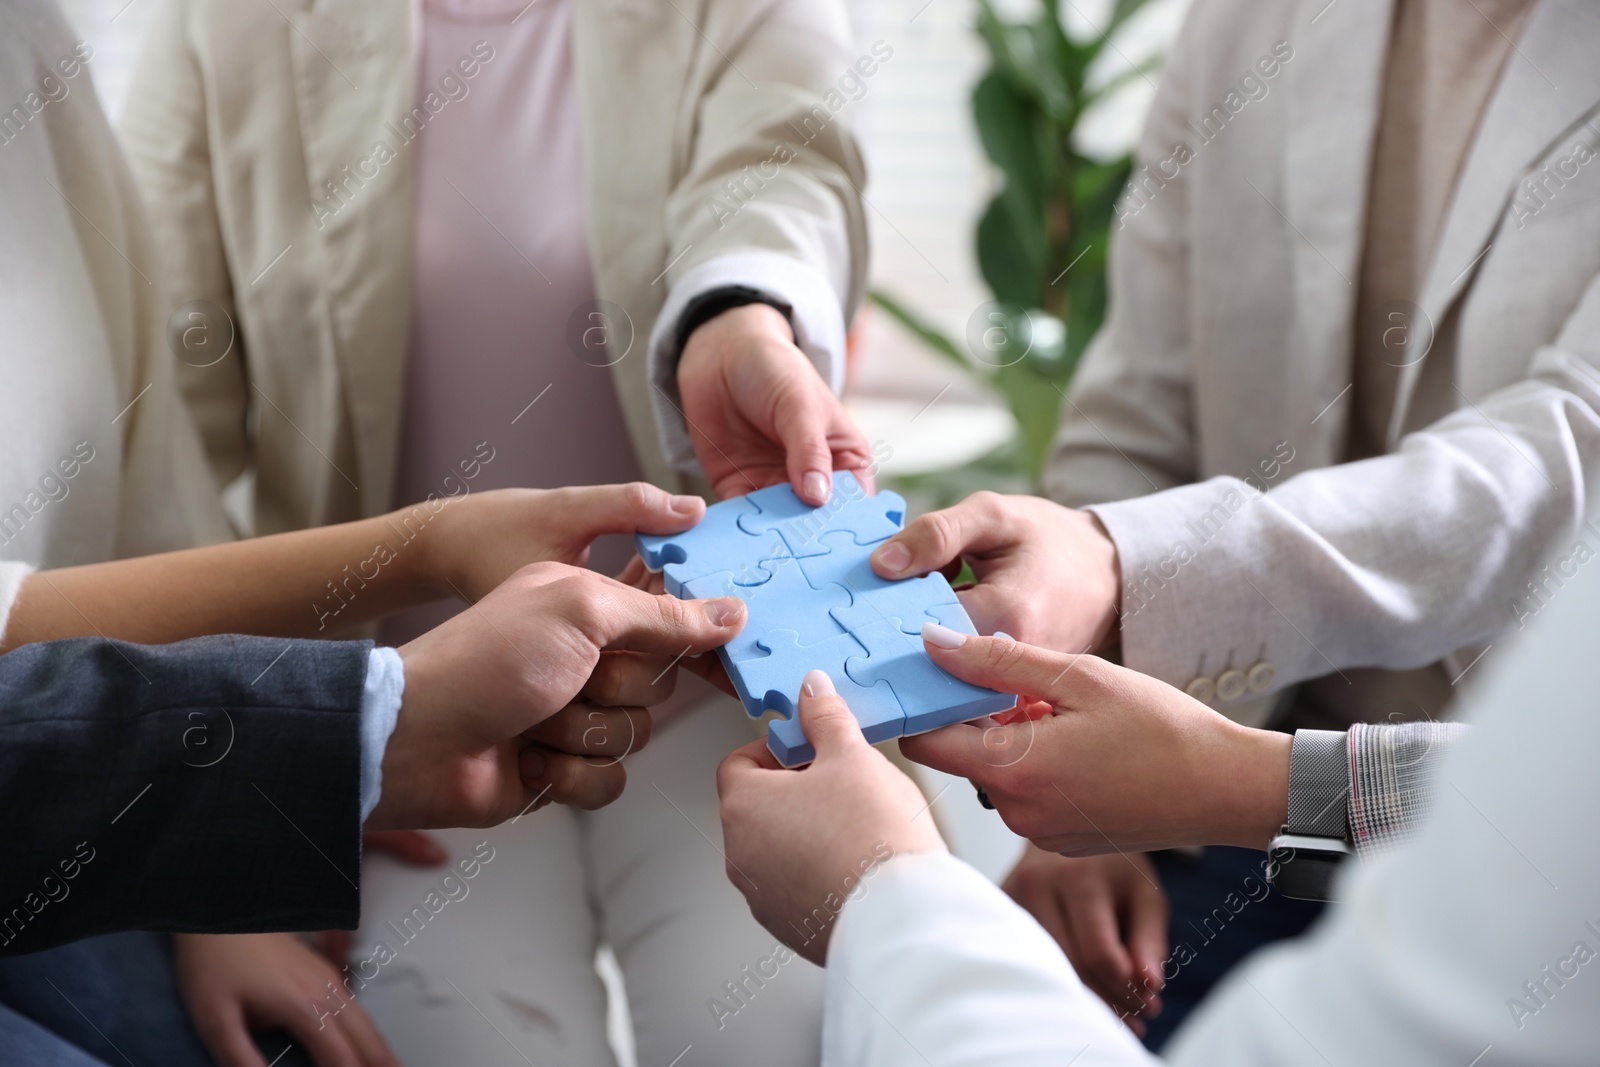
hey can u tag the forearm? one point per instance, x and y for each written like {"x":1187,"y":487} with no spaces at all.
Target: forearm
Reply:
{"x":301,"y":584}
{"x":208,"y":786}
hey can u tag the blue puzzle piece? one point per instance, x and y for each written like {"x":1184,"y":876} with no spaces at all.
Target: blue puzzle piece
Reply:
{"x":784,"y":602}
{"x":814,"y":603}
{"x":869,"y":519}
{"x":715,"y":545}
{"x":930,"y":696}
{"x":873,"y":599}
{"x":773,"y":682}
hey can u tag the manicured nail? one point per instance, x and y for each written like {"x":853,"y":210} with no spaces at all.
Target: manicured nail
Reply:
{"x":817,"y":486}
{"x":893,"y":557}
{"x":684,"y":504}
{"x":724,"y":610}
{"x":942,"y":636}
{"x":818,"y":684}
{"x":533,"y":763}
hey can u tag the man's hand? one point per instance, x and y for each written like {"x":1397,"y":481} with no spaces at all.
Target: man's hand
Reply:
{"x":758,"y":412}
{"x":233,"y":983}
{"x":534,"y":695}
{"x":800,"y":842}
{"x":1105,"y":759}
{"x":477,"y":541}
{"x":1046,"y":574}
{"x":1109,"y":915}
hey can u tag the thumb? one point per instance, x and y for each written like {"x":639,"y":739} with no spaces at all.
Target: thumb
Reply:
{"x":802,"y":430}
{"x":634,"y":507}
{"x":826,"y":718}
{"x":1012,"y":666}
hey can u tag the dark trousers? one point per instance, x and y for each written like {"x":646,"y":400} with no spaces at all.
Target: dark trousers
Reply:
{"x":1223,"y":909}
{"x":103,"y":1002}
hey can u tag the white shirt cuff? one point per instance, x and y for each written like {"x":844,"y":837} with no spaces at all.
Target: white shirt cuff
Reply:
{"x":380,"y":710}
{"x":12,"y":575}
{"x":816,"y":313}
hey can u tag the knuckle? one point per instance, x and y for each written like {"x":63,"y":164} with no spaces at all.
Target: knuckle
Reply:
{"x":941,"y":531}
{"x":642,"y":496}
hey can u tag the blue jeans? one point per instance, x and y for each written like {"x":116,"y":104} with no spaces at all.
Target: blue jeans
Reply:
{"x":1222,"y":910}
{"x":104,"y":1002}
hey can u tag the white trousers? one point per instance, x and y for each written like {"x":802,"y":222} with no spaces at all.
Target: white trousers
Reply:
{"x":499,"y":968}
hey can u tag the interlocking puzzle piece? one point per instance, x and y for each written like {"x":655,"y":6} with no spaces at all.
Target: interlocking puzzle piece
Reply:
{"x":716,"y":544}
{"x":930,"y":696}
{"x":872,"y":599}
{"x":785,"y":601}
{"x":868,"y":518}
{"x":814,"y":602}
{"x":774,"y":682}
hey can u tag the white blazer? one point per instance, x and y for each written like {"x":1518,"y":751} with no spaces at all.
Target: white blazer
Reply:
{"x":1224,"y":367}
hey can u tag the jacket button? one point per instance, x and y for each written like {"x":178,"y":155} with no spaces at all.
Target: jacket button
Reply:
{"x":1230,"y":685}
{"x":1261,"y":676}
{"x":1202,"y":688}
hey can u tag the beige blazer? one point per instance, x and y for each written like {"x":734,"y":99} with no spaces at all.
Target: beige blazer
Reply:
{"x":1224,"y":367}
{"x":242,"y":111}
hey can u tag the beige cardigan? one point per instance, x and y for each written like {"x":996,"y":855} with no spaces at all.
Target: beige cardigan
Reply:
{"x":252,"y":126}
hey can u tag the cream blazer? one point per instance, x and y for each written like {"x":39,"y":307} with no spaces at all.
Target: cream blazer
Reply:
{"x":242,"y":111}
{"x":1224,"y":367}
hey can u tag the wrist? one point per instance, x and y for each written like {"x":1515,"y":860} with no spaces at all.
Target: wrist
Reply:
{"x":733,"y":327}
{"x":1106,"y":563}
{"x":1254,"y":787}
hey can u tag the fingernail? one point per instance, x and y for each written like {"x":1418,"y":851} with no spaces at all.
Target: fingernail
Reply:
{"x":723,"y":610}
{"x":816,"y":485}
{"x":894,"y":557}
{"x":533,"y":763}
{"x":818,"y":684}
{"x":942,"y":636}
{"x":684,"y":504}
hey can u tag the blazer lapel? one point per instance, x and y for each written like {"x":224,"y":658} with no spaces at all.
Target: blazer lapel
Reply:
{"x":1551,"y":81}
{"x":1334,"y":87}
{"x":354,"y":83}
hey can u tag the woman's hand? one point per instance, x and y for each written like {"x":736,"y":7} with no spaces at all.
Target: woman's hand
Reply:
{"x":233,"y":983}
{"x":796,"y":839}
{"x":472,"y":543}
{"x":1114,"y":760}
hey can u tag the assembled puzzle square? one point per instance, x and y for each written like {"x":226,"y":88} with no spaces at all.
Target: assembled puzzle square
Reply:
{"x":814,"y":602}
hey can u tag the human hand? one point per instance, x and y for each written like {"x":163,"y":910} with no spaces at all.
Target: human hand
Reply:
{"x":759,"y":413}
{"x":233,"y":983}
{"x":1109,"y":915}
{"x":798,"y":841}
{"x":1046,"y":574}
{"x":473,"y":543}
{"x":509,"y":703}
{"x":1118,"y":760}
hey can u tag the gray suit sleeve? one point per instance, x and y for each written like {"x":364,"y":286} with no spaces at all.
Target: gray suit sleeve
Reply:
{"x":204,"y":786}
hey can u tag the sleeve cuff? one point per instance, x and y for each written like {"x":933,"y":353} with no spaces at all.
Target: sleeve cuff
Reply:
{"x":817,"y":317}
{"x":380,"y":710}
{"x":1391,"y":777}
{"x":12,"y":575}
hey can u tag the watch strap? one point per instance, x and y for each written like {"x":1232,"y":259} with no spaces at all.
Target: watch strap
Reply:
{"x":1319,"y":784}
